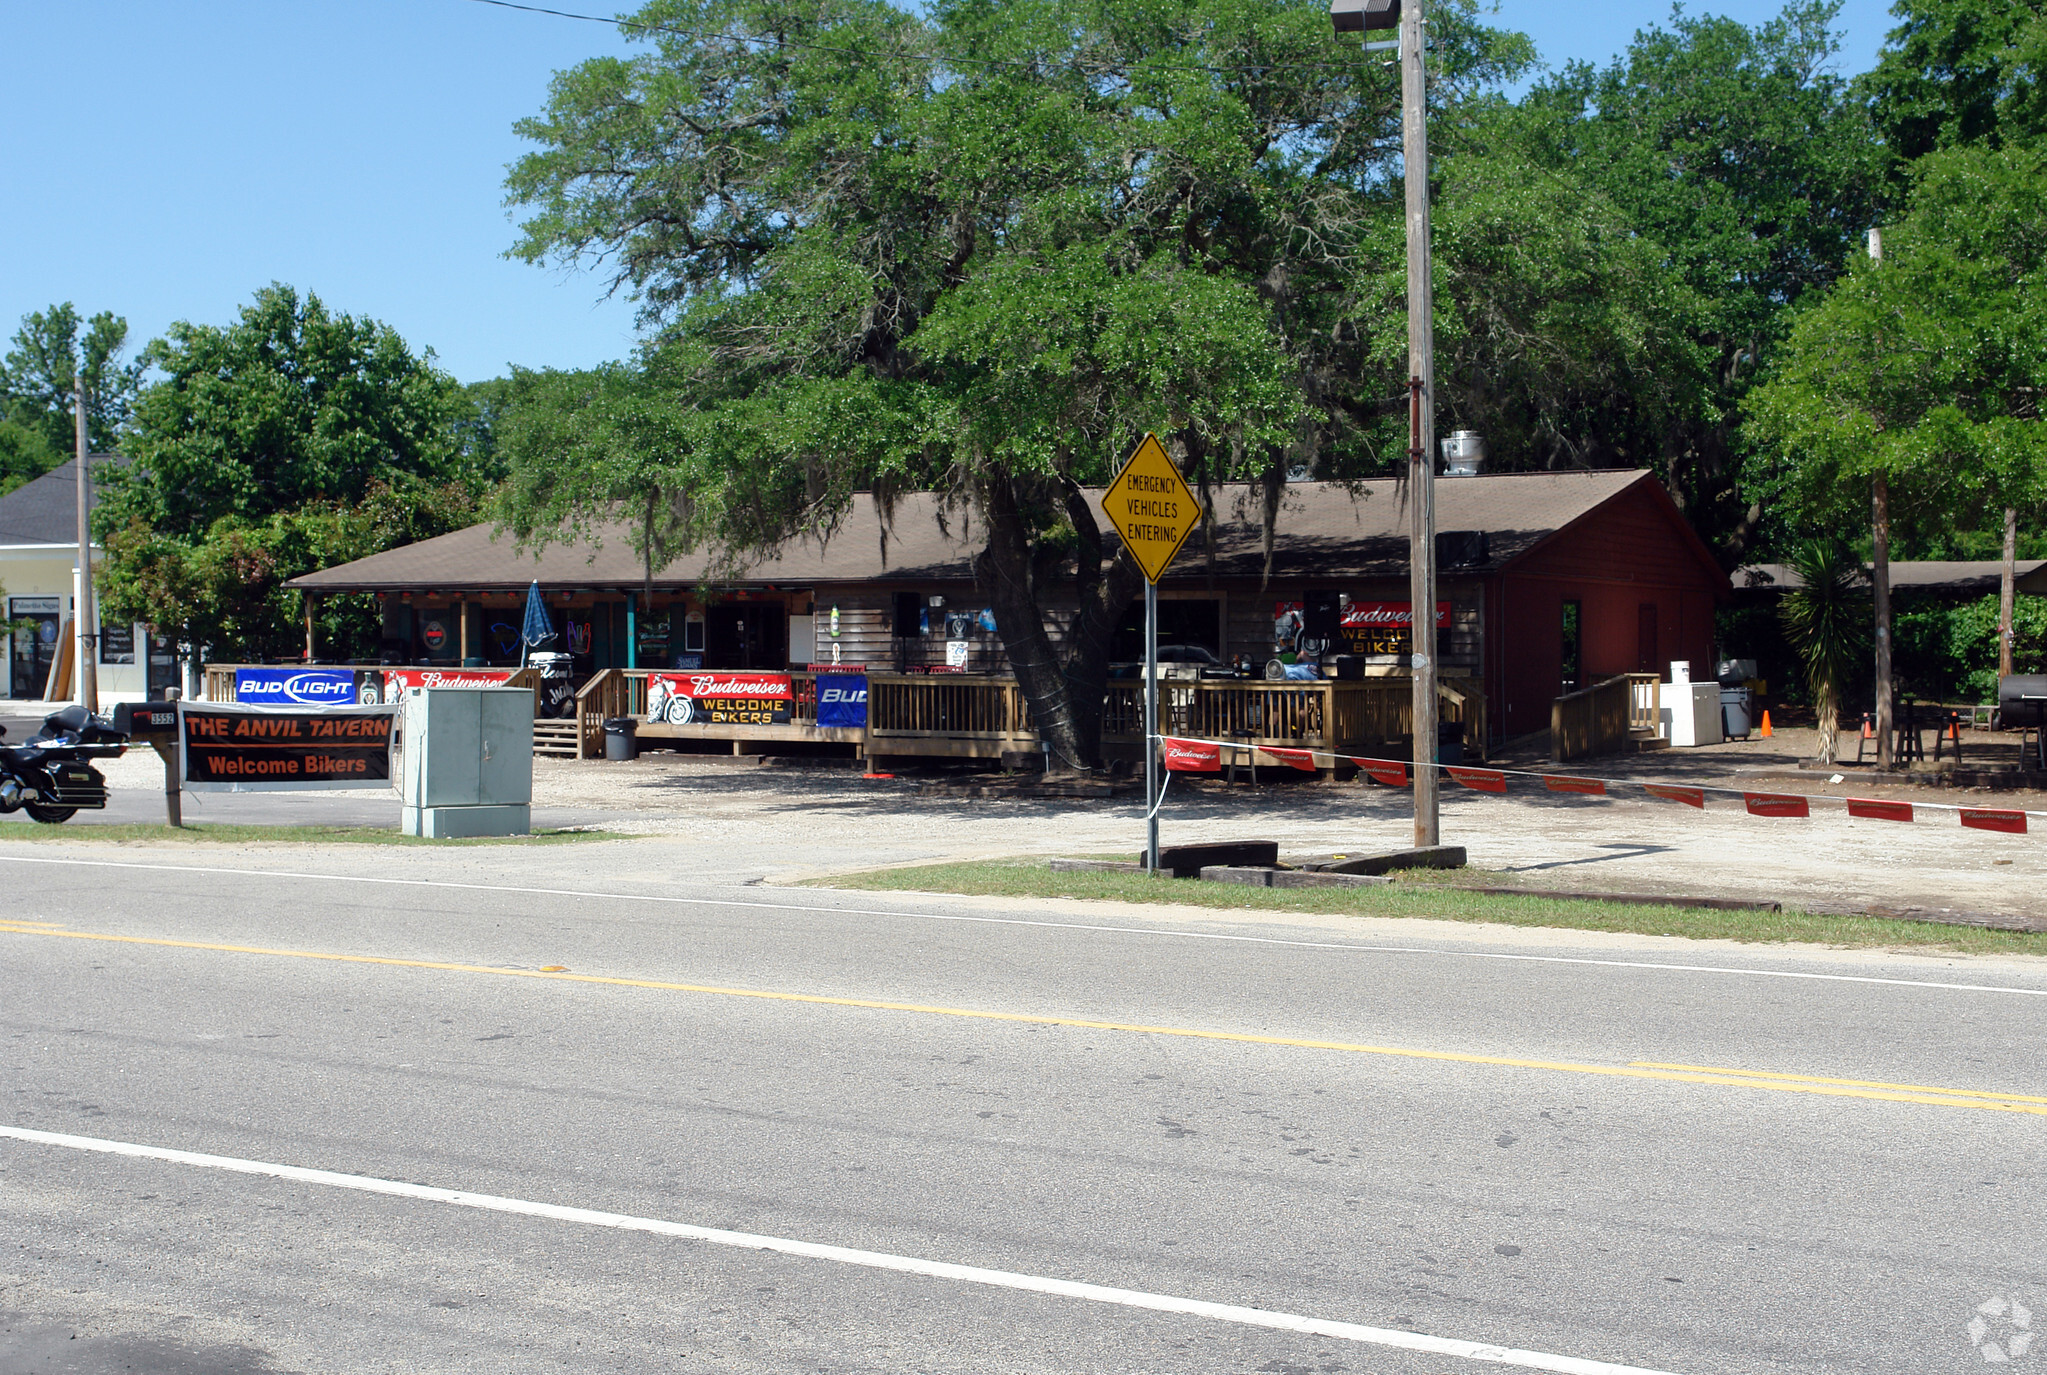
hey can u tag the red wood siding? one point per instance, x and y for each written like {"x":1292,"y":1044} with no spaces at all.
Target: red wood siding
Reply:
{"x":1630,"y":554}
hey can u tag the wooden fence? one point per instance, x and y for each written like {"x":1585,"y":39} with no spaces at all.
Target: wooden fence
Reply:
{"x":220,"y":678}
{"x":1336,"y":716}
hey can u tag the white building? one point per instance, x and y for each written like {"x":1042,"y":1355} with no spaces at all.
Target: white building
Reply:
{"x":38,"y":563}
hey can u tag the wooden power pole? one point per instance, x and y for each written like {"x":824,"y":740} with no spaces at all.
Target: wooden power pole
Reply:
{"x":1880,"y":580}
{"x":2007,"y":585}
{"x":85,"y":612}
{"x":1421,"y":461}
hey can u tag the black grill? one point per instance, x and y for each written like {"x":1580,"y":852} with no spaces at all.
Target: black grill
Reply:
{"x":2022,"y":699}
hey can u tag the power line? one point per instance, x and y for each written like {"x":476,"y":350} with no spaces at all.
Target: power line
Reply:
{"x":950,"y":59}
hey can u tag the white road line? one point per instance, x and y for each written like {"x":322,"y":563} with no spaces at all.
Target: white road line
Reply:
{"x":1161,"y":932}
{"x":873,"y":1260}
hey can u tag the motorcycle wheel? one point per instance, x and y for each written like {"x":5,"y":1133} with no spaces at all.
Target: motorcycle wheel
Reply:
{"x":49,"y":816}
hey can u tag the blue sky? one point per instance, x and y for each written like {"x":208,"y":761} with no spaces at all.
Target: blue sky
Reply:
{"x":164,"y":158}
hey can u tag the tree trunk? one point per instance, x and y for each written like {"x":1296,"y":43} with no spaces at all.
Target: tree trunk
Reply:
{"x":1065,"y":695}
{"x":1827,"y":708}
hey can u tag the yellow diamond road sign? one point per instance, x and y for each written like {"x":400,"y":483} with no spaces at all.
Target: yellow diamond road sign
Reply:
{"x":1152,"y":507}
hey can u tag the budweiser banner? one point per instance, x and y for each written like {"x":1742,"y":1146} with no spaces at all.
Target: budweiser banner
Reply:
{"x":396,"y":680}
{"x":234,"y":747}
{"x":731,"y":698}
{"x":1192,"y":756}
{"x":1385,"y":627}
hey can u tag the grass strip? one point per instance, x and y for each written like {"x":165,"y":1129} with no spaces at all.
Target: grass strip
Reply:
{"x":1427,"y":896}
{"x":207,"y":833}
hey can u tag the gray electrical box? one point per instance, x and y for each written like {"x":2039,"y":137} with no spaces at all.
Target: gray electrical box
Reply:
{"x":465,"y":761}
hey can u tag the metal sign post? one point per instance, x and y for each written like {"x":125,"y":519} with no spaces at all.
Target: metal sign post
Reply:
{"x":1154,"y":511}
{"x":1151,"y":727}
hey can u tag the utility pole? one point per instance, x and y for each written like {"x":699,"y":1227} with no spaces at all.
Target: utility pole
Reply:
{"x":2006,"y":586}
{"x":1880,"y":575}
{"x":84,"y":612}
{"x":1359,"y":17}
{"x":1421,"y":450}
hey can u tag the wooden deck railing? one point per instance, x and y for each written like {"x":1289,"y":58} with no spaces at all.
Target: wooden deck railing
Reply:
{"x":1602,"y":718}
{"x":1316,"y":714}
{"x":958,"y":705}
{"x":220,"y":678}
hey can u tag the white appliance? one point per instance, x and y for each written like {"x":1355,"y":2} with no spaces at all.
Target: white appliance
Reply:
{"x":1689,"y":713}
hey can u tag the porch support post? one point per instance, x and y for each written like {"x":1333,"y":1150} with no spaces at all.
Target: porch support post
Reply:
{"x":632,"y":630}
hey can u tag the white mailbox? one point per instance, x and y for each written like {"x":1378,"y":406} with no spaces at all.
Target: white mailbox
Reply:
{"x":465,"y":765}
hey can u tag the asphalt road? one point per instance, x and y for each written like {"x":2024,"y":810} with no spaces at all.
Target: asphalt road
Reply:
{"x":1479,"y":1146}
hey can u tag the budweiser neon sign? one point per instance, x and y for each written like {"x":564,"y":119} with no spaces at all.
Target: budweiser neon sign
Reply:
{"x":1391,"y":614}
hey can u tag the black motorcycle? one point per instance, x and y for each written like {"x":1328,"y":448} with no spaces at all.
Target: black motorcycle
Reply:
{"x":47,"y":774}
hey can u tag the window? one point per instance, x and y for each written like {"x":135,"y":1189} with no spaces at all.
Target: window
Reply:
{"x":1573,"y":617}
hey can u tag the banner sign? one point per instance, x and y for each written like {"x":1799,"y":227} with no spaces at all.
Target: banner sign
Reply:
{"x":1385,"y":627}
{"x":1558,"y":783}
{"x":721,"y":698}
{"x":294,"y":687}
{"x":233,"y":746}
{"x":1776,"y":804}
{"x":842,"y":700}
{"x":1480,"y":780}
{"x":2012,"y":822}
{"x":1304,"y":760}
{"x":1386,"y":771}
{"x":1192,"y":756}
{"x":396,"y":680}
{"x":1873,"y":809}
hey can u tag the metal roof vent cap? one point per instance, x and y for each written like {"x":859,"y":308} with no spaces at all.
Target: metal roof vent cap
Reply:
{"x":1463,"y":454}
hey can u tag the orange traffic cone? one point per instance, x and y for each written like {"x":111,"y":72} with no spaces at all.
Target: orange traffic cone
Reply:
{"x":1766,"y":725}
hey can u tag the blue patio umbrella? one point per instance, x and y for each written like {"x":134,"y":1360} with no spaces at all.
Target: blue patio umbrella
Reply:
{"x":539,"y":627}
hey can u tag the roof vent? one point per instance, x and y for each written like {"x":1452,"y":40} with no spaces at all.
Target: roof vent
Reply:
{"x":1463,"y":454}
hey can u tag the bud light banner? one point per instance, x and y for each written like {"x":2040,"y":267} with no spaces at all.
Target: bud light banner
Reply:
{"x":291,"y":687}
{"x":720,"y":698}
{"x":842,"y":700}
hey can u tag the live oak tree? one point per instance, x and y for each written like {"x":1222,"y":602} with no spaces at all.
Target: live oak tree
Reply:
{"x":1740,"y":171}
{"x":1928,"y":369}
{"x":288,"y":441}
{"x":979,"y":252}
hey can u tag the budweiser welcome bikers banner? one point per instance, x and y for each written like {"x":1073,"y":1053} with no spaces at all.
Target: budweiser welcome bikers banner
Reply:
{"x":720,"y":698}
{"x":1385,"y":627}
{"x":232,"y":746}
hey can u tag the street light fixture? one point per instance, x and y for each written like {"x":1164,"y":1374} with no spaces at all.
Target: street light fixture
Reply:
{"x":1356,"y":17}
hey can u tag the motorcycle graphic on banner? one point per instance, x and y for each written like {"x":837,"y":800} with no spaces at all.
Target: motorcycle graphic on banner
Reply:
{"x":720,"y":699}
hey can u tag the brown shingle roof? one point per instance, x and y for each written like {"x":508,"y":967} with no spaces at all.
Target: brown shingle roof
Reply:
{"x":1324,"y":529}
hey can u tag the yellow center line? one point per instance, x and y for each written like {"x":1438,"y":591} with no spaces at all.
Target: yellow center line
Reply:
{"x":1852,"y":1083}
{"x":1949,"y":1098}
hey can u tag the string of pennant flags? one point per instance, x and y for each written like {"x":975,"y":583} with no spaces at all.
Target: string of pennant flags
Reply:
{"x":1183,"y":754}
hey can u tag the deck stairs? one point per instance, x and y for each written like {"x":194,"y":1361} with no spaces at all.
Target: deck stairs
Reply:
{"x":554,"y":739}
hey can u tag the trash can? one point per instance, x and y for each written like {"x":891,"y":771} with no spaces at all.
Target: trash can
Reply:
{"x":1449,"y":742}
{"x":621,"y":738}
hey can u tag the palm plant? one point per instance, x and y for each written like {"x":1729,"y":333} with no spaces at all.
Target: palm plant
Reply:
{"x":1826,"y":619}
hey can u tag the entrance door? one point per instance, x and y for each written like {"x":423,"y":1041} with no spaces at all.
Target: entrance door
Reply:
{"x":32,"y":648}
{"x":746,"y":635}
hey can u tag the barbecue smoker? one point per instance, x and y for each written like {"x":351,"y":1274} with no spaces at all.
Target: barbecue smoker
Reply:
{"x":2022,"y":705}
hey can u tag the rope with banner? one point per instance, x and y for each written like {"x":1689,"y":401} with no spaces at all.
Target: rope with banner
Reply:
{"x":1186,"y":754}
